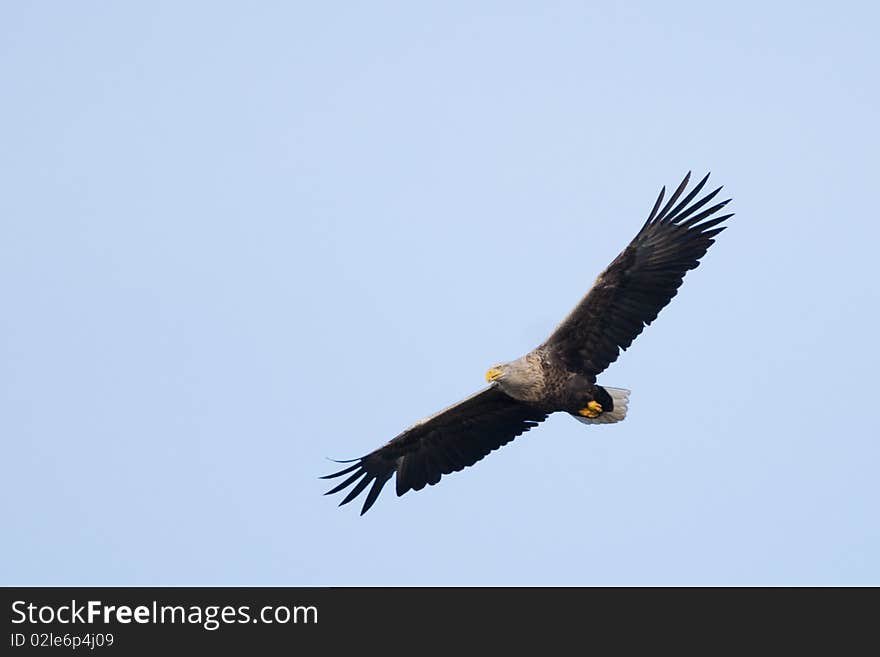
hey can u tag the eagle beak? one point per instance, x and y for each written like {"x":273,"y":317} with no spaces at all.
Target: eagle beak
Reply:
{"x":492,"y":374}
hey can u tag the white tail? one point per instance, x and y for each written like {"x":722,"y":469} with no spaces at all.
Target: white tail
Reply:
{"x":620,"y":397}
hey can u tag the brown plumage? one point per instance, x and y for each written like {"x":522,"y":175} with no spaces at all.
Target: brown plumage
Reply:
{"x":560,"y":374}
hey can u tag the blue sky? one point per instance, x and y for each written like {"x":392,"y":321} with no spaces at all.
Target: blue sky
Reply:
{"x":238,"y":238}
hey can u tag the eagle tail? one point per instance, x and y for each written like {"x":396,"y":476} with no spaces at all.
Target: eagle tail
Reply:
{"x":620,"y":399}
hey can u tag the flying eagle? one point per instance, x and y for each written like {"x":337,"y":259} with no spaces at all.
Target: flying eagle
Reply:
{"x":560,"y":374}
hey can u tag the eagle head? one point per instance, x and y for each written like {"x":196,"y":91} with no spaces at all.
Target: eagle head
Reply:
{"x":518,"y":378}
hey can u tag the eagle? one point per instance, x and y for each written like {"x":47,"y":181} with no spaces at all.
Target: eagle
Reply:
{"x":558,"y":376}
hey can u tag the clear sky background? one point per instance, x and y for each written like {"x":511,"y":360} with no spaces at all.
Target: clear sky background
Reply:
{"x":238,"y":238}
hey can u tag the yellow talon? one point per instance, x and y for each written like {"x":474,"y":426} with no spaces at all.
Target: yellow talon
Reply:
{"x":593,"y":409}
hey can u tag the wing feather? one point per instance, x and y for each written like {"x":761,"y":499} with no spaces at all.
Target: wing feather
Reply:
{"x":640,"y":282}
{"x":446,"y":442}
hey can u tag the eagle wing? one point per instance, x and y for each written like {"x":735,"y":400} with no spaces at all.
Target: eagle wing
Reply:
{"x":445,"y":442}
{"x":629,"y":294}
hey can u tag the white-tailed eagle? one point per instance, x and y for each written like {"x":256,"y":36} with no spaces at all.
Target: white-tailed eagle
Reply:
{"x":560,"y":374}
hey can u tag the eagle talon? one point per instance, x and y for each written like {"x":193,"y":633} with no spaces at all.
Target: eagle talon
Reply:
{"x":593,"y":409}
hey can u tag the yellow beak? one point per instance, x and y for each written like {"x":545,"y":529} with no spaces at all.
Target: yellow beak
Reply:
{"x":492,"y":374}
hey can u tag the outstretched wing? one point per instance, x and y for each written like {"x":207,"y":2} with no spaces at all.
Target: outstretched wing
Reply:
{"x":446,"y":442}
{"x":630,"y":293}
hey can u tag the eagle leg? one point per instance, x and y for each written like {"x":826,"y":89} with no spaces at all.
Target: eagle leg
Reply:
{"x":591,"y":410}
